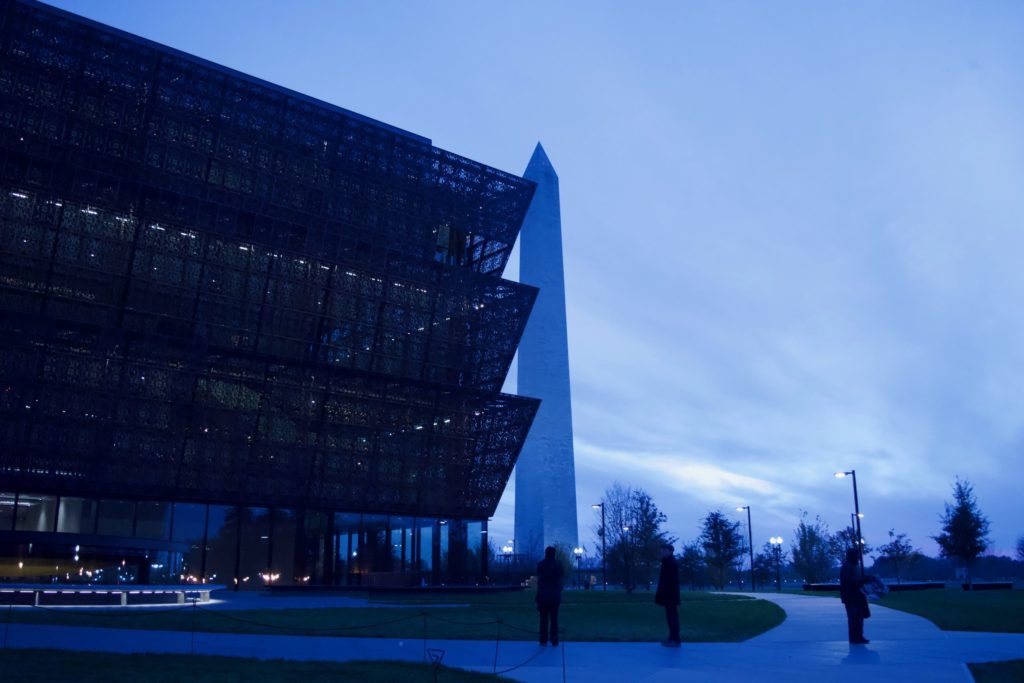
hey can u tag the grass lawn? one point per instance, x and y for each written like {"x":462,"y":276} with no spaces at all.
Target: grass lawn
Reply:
{"x":957,"y":610}
{"x":998,"y":672}
{"x":585,"y":615}
{"x":56,"y":666}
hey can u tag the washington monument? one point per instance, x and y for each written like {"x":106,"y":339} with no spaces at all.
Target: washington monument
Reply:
{"x":545,"y":472}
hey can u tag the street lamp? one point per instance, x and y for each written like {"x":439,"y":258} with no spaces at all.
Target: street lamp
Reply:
{"x":776,"y":542}
{"x":604,"y":556}
{"x":507,"y":550}
{"x":856,"y":509}
{"x":750,"y":537}
{"x":857,"y":542}
{"x":578,"y":552}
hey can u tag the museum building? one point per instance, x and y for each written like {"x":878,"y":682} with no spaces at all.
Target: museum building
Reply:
{"x":246,"y":337}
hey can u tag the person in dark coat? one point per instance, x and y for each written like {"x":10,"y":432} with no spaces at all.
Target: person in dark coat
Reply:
{"x":668,"y":593}
{"x":549,"y":595}
{"x":856,"y":603}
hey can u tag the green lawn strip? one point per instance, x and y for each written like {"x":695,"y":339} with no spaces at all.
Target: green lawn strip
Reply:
{"x":586,"y":616}
{"x":998,"y":672}
{"x":56,"y":666}
{"x":956,"y":610}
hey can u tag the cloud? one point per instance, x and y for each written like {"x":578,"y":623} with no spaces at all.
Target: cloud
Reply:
{"x":694,"y":477}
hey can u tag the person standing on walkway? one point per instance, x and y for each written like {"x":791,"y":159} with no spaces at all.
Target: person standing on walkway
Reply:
{"x":854,"y":600}
{"x":668,"y":593}
{"x":549,"y":595}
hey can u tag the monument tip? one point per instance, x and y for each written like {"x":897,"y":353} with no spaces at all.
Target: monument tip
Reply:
{"x":540,"y":164}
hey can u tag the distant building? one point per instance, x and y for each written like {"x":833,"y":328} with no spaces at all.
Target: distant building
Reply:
{"x":246,"y":336}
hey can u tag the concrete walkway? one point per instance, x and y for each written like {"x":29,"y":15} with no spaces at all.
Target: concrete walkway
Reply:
{"x":810,"y":646}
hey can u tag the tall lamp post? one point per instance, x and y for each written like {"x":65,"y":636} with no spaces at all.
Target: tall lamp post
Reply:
{"x":856,"y":509}
{"x":604,"y":555}
{"x":776,"y":542}
{"x":750,"y":538}
{"x":578,"y":552}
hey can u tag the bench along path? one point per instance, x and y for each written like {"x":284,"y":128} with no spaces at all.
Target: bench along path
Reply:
{"x":809,"y":646}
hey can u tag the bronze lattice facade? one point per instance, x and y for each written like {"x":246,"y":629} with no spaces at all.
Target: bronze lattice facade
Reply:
{"x":220,"y":297}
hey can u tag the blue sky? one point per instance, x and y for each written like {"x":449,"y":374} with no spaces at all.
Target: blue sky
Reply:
{"x":792,"y":230}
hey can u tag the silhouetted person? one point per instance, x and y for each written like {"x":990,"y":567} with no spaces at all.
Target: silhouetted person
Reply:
{"x":856,"y":603}
{"x":668,"y":594}
{"x":549,"y":595}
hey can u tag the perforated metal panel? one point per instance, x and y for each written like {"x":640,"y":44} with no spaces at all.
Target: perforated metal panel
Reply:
{"x":215,"y":289}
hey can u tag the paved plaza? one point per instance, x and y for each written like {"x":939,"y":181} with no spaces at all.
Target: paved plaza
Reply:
{"x":809,"y":646}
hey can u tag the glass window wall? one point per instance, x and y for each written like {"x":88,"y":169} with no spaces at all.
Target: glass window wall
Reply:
{"x":6,"y":511}
{"x":222,"y":545}
{"x":254,"y":553}
{"x":441,"y":556}
{"x":282,"y":558}
{"x":251,"y":547}
{"x":116,"y":517}
{"x":189,"y":528}
{"x":162,"y":568}
{"x":346,"y":544}
{"x":153,"y":520}
{"x":76,"y":515}
{"x":476,"y":545}
{"x":375,"y":553}
{"x":425,"y":546}
{"x":401,"y":545}
{"x":36,"y":513}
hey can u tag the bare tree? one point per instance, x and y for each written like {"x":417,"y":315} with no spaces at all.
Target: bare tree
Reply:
{"x":723,"y":545}
{"x":964,"y":529}
{"x":634,"y":535}
{"x":1020,"y":548}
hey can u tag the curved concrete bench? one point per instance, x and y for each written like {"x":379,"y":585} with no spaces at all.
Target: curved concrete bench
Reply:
{"x":71,"y":594}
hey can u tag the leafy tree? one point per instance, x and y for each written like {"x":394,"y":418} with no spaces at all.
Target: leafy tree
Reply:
{"x":691,"y":565}
{"x":812,"y":551}
{"x":723,"y":545}
{"x":633,"y":523}
{"x":1020,"y":548}
{"x":964,"y":529}
{"x":899,"y":552}
{"x":764,"y":565}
